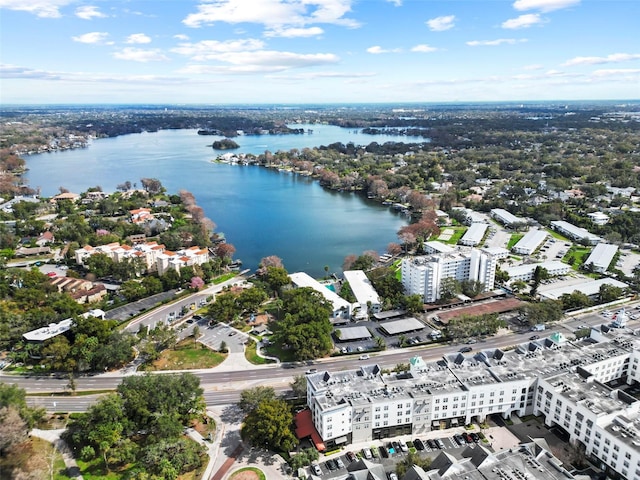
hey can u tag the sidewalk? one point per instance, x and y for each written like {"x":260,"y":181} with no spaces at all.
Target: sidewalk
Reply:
{"x":53,"y":437}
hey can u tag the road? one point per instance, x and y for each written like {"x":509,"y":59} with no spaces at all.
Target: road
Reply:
{"x":225,"y":386}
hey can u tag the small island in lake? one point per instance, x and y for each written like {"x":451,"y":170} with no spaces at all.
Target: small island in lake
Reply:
{"x":225,"y":144}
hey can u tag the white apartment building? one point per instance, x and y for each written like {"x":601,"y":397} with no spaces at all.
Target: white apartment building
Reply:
{"x":341,"y":308}
{"x":424,"y":275}
{"x":182,"y":258}
{"x":525,"y":272}
{"x":366,"y":296}
{"x":564,"y":381}
{"x":574,"y":232}
{"x":505,"y":217}
{"x":147,"y":251}
{"x":474,"y":235}
{"x":601,"y":257}
{"x":154,"y":256}
{"x":530,"y":242}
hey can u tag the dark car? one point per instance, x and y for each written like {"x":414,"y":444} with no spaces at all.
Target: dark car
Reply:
{"x":384,"y":453}
{"x":467,"y":437}
{"x":432,"y":444}
{"x":418,"y":444}
{"x":396,"y":446}
{"x":475,"y":437}
{"x":534,"y":337}
{"x":459,"y":439}
{"x":465,"y":349}
{"x":331,"y":464}
{"x":351,"y":456}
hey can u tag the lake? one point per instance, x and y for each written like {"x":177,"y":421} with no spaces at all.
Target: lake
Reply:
{"x":261,"y":211}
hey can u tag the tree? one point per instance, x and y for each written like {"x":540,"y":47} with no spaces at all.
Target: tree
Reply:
{"x":609,"y":293}
{"x":251,"y":398}
{"x":269,"y":426}
{"x":299,"y":386}
{"x":251,"y":298}
{"x":277,"y":277}
{"x":152,"y":185}
{"x":413,"y":303}
{"x":196,"y":283}
{"x":13,"y":427}
{"x":99,"y":264}
{"x":270,"y":261}
{"x":132,"y":290}
{"x":225,"y":250}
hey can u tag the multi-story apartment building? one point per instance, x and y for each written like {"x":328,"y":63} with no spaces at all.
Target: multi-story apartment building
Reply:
{"x":154,"y":256}
{"x":424,"y":275}
{"x":577,"y":386}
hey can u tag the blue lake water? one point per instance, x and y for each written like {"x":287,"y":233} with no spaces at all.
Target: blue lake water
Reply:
{"x":261,"y":211}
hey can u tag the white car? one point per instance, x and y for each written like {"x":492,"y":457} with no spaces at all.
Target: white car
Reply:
{"x":316,"y":469}
{"x":393,"y":476}
{"x":364,"y":357}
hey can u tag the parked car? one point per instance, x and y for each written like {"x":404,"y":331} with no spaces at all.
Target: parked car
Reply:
{"x":440,"y":443}
{"x":475,"y":437}
{"x":459,"y":439}
{"x":393,"y":476}
{"x":375,"y":452}
{"x":418,"y":444}
{"x":467,"y":437}
{"x":331,"y":464}
{"x":339,"y":462}
{"x":316,"y":469}
{"x":432,"y":444}
{"x":384,"y":453}
{"x":396,"y":446}
{"x":465,"y":349}
{"x":351,"y":456}
{"x":403,"y":446}
{"x":367,"y":453}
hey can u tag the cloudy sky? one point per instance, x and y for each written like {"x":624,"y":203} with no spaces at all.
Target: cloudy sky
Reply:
{"x":317,"y":51}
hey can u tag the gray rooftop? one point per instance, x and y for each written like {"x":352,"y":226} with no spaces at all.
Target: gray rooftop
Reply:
{"x":403,"y":325}
{"x":354,"y":333}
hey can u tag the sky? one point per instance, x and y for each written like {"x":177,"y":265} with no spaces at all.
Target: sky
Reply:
{"x":317,"y":51}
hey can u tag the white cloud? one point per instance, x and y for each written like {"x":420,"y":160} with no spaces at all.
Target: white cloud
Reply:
{"x":272,"y":13}
{"x":424,"y":48}
{"x":138,"y":38}
{"x":40,"y":8}
{"x":92,"y":38}
{"x":140,"y":55}
{"x":533,"y":67}
{"x":16,"y":71}
{"x":260,"y":61}
{"x":377,"y":49}
{"x":440,"y":24}
{"x":88,"y":12}
{"x":211,"y":49}
{"x":294,"y":32}
{"x":617,"y":72}
{"x":613,"y":58}
{"x":496,"y":42}
{"x":523,"y":21}
{"x":181,"y":36}
{"x":397,"y":3}
{"x":315,"y":75}
{"x":544,"y":5}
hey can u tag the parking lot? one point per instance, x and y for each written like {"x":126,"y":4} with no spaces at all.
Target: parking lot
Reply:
{"x":213,"y":336}
{"x":388,"y":452}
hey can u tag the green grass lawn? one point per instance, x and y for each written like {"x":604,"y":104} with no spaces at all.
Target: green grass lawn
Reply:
{"x":576,"y":256}
{"x":257,"y":471}
{"x":458,"y":232}
{"x":515,"y":238}
{"x":253,"y":357}
{"x":224,"y":278}
{"x":187,"y":355}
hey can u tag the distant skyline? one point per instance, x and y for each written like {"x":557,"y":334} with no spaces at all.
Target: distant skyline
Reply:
{"x":317,"y":51}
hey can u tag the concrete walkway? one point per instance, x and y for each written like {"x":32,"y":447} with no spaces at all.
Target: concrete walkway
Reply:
{"x":53,"y":437}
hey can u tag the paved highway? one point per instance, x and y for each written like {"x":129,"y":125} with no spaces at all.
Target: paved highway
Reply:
{"x":222,"y":387}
